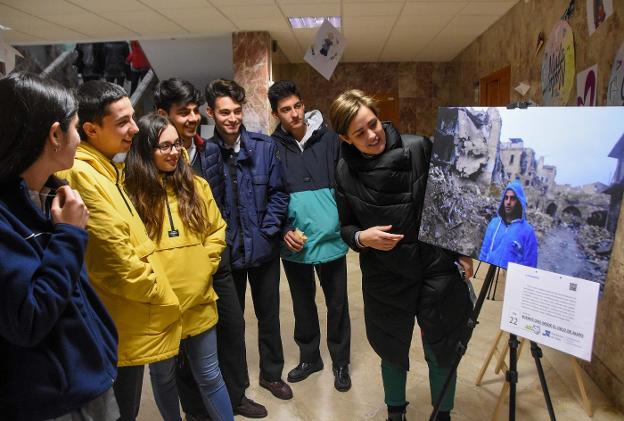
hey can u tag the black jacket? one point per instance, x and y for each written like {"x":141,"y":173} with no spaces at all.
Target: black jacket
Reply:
{"x":414,"y":277}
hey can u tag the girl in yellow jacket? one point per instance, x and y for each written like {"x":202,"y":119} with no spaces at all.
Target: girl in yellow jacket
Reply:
{"x":182,"y":218}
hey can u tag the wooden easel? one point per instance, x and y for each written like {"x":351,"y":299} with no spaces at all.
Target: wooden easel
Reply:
{"x":501,"y":365}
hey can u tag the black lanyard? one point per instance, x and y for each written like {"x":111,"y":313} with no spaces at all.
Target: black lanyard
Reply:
{"x":172,"y":232}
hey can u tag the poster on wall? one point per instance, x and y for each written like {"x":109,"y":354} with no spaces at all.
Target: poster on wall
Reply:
{"x":615,"y":89}
{"x":587,"y":87}
{"x":597,"y":12}
{"x":7,"y":54}
{"x":325,"y":53}
{"x":558,"y":68}
{"x":538,"y":187}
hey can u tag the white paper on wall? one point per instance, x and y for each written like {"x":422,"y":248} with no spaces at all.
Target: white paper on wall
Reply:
{"x":7,"y":55}
{"x":324,"y":55}
{"x":523,"y":87}
{"x":587,"y":87}
{"x":615,"y":89}
{"x":558,"y":65}
{"x":597,"y":12}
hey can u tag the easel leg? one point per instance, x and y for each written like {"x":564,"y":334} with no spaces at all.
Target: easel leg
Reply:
{"x":511,"y":378}
{"x":512,"y":375}
{"x":486,"y":363}
{"x":474,"y":275}
{"x":587,"y":405}
{"x":496,"y":284}
{"x":502,"y":397}
{"x":500,"y":365}
{"x":471,"y":323}
{"x":536,"y":351}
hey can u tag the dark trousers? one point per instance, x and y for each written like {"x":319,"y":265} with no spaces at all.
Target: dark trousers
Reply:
{"x":230,"y":346}
{"x":128,"y":386}
{"x":333,"y":279}
{"x":264,"y":284}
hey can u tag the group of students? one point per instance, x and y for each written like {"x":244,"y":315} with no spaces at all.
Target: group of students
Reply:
{"x":125,"y":244}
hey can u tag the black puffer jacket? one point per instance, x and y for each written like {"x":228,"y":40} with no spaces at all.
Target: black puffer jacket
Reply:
{"x":414,"y":278}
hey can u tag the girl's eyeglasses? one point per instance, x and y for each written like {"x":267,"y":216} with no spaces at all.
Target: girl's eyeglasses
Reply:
{"x":168,"y":147}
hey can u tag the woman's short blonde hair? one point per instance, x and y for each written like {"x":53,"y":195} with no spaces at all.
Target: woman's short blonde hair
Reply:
{"x":345,"y":107}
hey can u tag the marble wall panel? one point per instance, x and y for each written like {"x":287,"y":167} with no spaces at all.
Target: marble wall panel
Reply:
{"x":252,"y":69}
{"x":418,"y":116}
{"x":420,"y":87}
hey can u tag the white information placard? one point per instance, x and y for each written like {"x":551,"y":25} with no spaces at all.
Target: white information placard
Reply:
{"x":554,"y":310}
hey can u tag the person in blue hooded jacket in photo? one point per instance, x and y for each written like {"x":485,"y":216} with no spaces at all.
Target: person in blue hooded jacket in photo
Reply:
{"x":509,"y":237}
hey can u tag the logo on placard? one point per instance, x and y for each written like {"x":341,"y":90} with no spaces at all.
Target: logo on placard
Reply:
{"x":573,"y":286}
{"x":533,"y":328}
{"x":546,"y":333}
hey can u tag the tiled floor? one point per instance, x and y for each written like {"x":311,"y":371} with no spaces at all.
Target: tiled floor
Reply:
{"x":315,"y":399}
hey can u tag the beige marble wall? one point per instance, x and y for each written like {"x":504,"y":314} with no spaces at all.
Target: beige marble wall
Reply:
{"x":252,"y":70}
{"x":420,"y":87}
{"x":511,"y":41}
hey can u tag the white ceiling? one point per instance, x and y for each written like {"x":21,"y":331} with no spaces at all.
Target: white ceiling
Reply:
{"x":376,"y":30}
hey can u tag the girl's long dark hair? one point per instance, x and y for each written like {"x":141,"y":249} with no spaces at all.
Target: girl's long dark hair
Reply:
{"x":29,"y":106}
{"x":146,"y":184}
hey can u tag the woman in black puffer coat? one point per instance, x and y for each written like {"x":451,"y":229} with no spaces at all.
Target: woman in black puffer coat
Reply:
{"x":381,"y":181}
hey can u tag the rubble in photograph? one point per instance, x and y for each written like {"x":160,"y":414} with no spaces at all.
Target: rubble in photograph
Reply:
{"x":470,"y":168}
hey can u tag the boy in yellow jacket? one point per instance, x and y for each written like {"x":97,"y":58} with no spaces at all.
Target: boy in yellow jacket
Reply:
{"x":120,"y":258}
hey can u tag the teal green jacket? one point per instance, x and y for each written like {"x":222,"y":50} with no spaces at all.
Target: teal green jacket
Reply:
{"x":309,"y":180}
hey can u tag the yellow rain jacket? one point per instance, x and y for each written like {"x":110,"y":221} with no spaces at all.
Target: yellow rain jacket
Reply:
{"x":190,"y":260}
{"x":122,"y":265}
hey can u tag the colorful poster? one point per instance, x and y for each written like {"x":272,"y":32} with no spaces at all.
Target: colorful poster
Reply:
{"x":597,"y":12}
{"x":615,"y":89}
{"x":324,"y":55}
{"x":558,"y":68}
{"x":551,"y":309}
{"x":587,"y":87}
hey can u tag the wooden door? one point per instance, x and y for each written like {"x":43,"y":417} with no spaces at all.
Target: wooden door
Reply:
{"x":495,"y":88}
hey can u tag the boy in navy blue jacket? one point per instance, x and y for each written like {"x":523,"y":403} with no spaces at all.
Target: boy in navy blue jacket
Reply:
{"x":254,"y":207}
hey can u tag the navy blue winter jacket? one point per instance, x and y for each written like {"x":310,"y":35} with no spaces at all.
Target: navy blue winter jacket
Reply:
{"x":209,"y":165}
{"x":262,"y":200}
{"x":58,"y":345}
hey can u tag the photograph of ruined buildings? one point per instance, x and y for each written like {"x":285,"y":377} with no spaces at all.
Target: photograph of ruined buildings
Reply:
{"x":569,"y":161}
